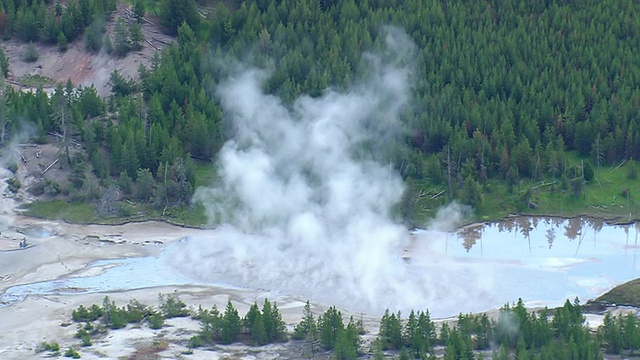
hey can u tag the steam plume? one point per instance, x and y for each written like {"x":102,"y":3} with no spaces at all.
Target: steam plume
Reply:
{"x":306,"y":207}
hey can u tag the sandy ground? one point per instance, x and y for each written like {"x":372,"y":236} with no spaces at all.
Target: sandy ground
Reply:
{"x":59,"y":250}
{"x":26,"y":324}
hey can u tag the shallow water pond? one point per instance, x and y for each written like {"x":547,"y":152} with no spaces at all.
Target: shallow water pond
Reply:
{"x":476,"y":268}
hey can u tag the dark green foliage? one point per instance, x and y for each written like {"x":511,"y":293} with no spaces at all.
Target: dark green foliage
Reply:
{"x":77,"y":175}
{"x":83,"y":314}
{"x":94,"y":34}
{"x":557,"y":334}
{"x":89,"y":103}
{"x":121,"y":40}
{"x":145,"y":185}
{"x":14,"y":185}
{"x":471,"y":193}
{"x":417,"y":334}
{"x":254,"y":324}
{"x":31,"y":54}
{"x":506,"y":94}
{"x":72,"y":353}
{"x":330,"y":326}
{"x":273,"y":324}
{"x":52,"y":346}
{"x":156,"y":321}
{"x":36,"y":20}
{"x":137,"y":311}
{"x":518,"y":332}
{"x":620,"y":334}
{"x":307,"y":330}
{"x":99,"y":164}
{"x":500,"y":123}
{"x":136,"y":37}
{"x":231,"y":325}
{"x":211,"y":325}
{"x":108,"y":45}
{"x":195,"y":342}
{"x":138,"y":9}
{"x":344,"y":341}
{"x":174,"y":13}
{"x":62,"y":42}
{"x":4,"y":63}
{"x":124,"y":182}
{"x":171,"y":306}
{"x":120,"y":85}
{"x":113,"y":317}
{"x":84,"y":336}
{"x":390,"y":334}
{"x":404,"y":354}
{"x":307,"y":325}
{"x":344,"y":348}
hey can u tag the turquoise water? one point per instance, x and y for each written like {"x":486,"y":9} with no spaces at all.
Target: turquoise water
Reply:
{"x":542,"y":260}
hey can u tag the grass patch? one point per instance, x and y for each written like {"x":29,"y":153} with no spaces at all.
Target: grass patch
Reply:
{"x":35,"y":80}
{"x":205,"y":173}
{"x":58,"y":209}
{"x":83,"y":213}
{"x":625,"y":294}
{"x":193,"y":215}
{"x":612,"y":194}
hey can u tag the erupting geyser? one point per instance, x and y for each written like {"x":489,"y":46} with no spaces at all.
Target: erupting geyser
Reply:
{"x":306,"y":207}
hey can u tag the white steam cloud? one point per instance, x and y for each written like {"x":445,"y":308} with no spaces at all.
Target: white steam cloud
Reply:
{"x":305,"y":206}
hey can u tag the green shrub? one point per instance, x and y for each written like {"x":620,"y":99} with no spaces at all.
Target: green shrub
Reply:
{"x":31,"y":55}
{"x":117,"y":319}
{"x":83,"y":314}
{"x":195,"y":342}
{"x":86,"y":340}
{"x":171,"y":306}
{"x":81,"y":332}
{"x":136,"y":311}
{"x":52,"y":346}
{"x":14,"y":185}
{"x":72,"y":353}
{"x":156,"y":321}
{"x":63,"y":44}
{"x":84,"y":337}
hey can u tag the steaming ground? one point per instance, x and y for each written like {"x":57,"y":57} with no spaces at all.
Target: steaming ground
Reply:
{"x":304,"y":202}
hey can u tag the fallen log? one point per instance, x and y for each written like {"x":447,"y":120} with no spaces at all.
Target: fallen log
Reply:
{"x":437,"y":195}
{"x":50,"y":165}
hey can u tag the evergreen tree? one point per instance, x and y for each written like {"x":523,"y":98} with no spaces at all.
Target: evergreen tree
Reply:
{"x":307,"y":329}
{"x":344,"y":348}
{"x":136,"y":36}
{"x":139,"y":10}
{"x":211,"y":325}
{"x":121,"y":40}
{"x":174,"y":12}
{"x":390,"y":333}
{"x":231,"y":324}
{"x":145,"y":185}
{"x":330,"y":325}
{"x":4,"y":63}
{"x":254,"y":324}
